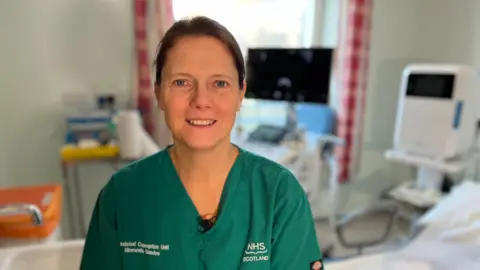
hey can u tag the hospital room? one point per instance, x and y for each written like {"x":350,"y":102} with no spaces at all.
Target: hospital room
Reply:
{"x":359,"y":120}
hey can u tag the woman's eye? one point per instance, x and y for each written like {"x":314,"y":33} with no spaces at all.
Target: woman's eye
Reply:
{"x":179,"y":83}
{"x":221,"y":84}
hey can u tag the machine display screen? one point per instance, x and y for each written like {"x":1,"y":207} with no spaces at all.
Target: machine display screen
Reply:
{"x":431,"y":85}
{"x":292,"y":75}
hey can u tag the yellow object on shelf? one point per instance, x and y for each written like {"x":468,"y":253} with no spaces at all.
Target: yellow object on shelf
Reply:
{"x":73,"y":153}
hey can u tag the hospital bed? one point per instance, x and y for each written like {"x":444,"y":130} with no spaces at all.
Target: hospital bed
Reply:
{"x":450,"y":238}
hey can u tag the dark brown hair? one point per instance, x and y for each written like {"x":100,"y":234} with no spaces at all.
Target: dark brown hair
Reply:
{"x":199,"y":26}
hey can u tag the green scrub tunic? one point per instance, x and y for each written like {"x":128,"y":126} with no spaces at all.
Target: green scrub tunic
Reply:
{"x":144,"y":219}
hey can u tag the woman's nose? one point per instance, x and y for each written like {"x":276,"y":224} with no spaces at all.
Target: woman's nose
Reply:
{"x":201,"y":97}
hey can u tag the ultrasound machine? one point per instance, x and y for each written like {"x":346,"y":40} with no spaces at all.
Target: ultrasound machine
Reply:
{"x":298,"y":81}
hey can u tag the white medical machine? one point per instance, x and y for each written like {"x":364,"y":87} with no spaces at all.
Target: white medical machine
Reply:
{"x":435,"y":126}
{"x":435,"y":131}
{"x":436,"y":115}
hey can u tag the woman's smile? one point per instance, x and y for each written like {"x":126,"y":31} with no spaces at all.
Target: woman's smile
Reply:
{"x":201,"y":123}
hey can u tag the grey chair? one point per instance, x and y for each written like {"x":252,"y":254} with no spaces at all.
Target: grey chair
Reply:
{"x":381,"y":213}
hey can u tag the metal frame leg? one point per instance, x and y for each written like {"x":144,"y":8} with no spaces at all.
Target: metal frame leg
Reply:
{"x":79,"y":202}
{"x":68,"y":200}
{"x":74,"y":198}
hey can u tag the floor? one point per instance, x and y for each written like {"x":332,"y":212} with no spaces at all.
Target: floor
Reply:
{"x":367,"y":230}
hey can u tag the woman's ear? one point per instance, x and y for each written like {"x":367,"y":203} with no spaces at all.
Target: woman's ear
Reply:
{"x":242,"y":95}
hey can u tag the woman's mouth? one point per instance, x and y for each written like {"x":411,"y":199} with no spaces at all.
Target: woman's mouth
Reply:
{"x":201,"y":123}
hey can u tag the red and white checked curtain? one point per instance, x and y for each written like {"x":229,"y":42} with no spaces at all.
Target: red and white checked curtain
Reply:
{"x":353,"y":54}
{"x":152,"y":19}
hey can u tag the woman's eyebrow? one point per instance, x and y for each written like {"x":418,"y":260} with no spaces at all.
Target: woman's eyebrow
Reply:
{"x":221,"y":76}
{"x":180,"y":74}
{"x":186,"y":74}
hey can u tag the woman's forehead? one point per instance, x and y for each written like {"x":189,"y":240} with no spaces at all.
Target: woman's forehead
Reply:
{"x":200,"y":54}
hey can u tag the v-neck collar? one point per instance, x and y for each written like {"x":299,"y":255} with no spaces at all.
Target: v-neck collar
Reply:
{"x":191,"y":213}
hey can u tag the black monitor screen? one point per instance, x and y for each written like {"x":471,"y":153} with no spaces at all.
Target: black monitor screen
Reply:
{"x":431,"y":85}
{"x":296,"y":75}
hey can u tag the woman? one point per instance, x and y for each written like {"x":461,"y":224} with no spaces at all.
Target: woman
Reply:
{"x":201,"y":203}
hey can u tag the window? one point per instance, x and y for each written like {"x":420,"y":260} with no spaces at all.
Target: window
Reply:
{"x":257,"y":23}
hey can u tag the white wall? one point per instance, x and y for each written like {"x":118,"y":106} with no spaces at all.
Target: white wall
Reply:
{"x":47,"y":48}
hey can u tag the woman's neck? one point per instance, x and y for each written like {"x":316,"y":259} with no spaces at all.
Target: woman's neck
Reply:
{"x":207,"y":165}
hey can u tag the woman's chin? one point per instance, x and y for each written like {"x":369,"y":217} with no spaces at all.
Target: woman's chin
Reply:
{"x":201,"y":144}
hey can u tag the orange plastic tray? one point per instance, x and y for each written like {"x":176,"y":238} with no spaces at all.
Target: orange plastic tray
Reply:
{"x":48,"y":198}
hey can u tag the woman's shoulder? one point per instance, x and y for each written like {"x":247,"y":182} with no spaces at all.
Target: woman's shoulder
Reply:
{"x":261,"y":170}
{"x":139,"y":171}
{"x":257,"y":162}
